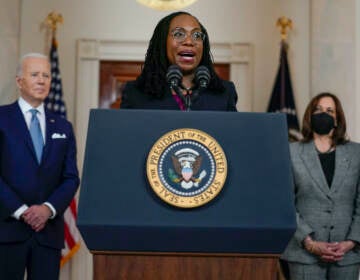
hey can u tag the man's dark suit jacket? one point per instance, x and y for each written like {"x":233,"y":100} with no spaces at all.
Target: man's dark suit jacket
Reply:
{"x":24,"y":181}
{"x":208,"y":100}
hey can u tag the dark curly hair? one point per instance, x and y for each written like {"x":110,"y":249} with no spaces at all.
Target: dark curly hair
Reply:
{"x":152,"y":79}
{"x":339,"y":135}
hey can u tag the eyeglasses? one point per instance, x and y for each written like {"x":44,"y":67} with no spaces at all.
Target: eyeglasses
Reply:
{"x":180,"y":35}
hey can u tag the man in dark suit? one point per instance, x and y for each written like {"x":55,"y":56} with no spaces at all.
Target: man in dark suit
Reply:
{"x":38,"y":177}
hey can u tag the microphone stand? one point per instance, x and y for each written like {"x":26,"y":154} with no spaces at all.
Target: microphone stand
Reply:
{"x":188,"y":98}
{"x":178,"y":92}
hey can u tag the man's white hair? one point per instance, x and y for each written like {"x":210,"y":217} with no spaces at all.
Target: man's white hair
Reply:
{"x":25,"y":56}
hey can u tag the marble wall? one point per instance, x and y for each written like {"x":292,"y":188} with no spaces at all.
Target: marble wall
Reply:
{"x":9,"y":48}
{"x":333,"y":52}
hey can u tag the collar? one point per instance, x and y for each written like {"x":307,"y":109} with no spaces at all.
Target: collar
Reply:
{"x":25,"y":106}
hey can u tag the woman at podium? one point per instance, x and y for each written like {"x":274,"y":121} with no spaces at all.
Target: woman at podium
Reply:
{"x":326,"y":169}
{"x":178,"y":72}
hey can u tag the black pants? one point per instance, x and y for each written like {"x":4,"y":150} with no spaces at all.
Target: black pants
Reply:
{"x":40,"y":262}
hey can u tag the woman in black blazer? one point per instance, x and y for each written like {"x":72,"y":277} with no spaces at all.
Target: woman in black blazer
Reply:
{"x":180,"y":41}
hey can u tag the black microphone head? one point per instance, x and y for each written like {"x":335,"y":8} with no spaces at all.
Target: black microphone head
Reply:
{"x":174,"y":75}
{"x":202,"y":76}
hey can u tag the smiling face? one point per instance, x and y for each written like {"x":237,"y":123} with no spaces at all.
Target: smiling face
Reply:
{"x":186,"y":53}
{"x":34,"y":80}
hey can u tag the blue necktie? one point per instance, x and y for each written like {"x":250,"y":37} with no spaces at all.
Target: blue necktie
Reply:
{"x":36,"y":135}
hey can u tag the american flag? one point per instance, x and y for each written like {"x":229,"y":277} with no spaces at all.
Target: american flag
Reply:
{"x":282,"y":97}
{"x":54,"y":102}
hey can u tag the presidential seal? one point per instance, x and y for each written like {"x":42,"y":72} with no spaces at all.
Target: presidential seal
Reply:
{"x":186,"y":168}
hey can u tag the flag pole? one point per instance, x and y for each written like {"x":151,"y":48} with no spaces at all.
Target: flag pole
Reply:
{"x":55,"y":103}
{"x":282,"y":96}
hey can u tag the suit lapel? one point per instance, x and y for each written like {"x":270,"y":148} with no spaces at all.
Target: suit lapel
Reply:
{"x":50,"y":128}
{"x":22,"y":129}
{"x":342,"y":163}
{"x":198,"y":102}
{"x":312,"y":162}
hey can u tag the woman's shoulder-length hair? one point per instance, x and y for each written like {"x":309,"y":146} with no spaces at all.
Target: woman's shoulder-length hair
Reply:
{"x":339,"y":135}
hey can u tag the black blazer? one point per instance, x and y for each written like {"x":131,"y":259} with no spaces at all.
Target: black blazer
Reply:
{"x":208,"y":100}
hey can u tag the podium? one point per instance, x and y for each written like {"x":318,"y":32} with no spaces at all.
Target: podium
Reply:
{"x":134,"y":234}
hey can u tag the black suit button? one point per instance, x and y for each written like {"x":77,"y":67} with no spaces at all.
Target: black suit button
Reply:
{"x":332,"y":227}
{"x":328,"y":211}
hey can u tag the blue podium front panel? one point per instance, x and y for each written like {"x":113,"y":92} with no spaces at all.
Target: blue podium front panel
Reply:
{"x":119,"y":211}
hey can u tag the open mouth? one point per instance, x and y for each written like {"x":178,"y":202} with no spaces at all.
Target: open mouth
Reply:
{"x":187,"y":54}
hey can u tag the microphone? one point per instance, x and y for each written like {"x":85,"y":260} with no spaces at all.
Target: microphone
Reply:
{"x":174,"y":76}
{"x":202,"y":77}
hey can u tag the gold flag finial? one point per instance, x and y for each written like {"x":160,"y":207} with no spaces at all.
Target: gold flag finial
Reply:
{"x":52,"y":20}
{"x":284,"y":23}
{"x":49,"y":24}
